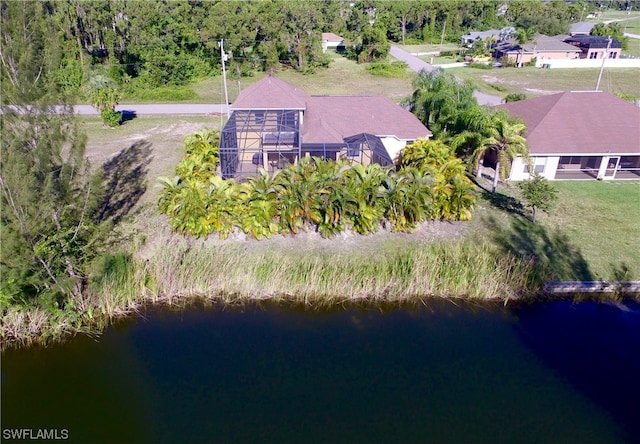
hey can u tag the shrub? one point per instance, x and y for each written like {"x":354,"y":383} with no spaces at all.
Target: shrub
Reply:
{"x":515,"y":97}
{"x":480,"y":66}
{"x":110,"y":117}
{"x":394,"y":69}
{"x":538,"y":193}
{"x":318,"y":194}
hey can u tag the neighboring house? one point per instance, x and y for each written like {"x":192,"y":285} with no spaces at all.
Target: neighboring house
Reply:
{"x":274,"y":124}
{"x":579,"y":135}
{"x":595,"y":47}
{"x":583,"y":28}
{"x":494,"y":34}
{"x":541,"y":47}
{"x":331,"y":40}
{"x":470,"y":37}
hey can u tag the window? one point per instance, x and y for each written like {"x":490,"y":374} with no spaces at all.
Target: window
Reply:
{"x":612,"y":55}
{"x":353,"y":150}
{"x":540,"y":164}
{"x":259,"y":117}
{"x":593,"y":55}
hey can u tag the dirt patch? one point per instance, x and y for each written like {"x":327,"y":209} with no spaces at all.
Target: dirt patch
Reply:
{"x":162,"y":139}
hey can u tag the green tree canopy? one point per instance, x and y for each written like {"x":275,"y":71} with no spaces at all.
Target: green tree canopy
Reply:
{"x":538,"y":194}
{"x":494,"y":132}
{"x":439,"y":98}
{"x":49,"y":198}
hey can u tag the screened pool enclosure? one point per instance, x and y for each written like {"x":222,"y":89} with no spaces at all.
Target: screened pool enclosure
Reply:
{"x":273,"y":139}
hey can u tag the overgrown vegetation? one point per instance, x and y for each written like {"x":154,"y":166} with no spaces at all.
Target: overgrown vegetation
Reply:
{"x":147,"y":45}
{"x":319,"y":195}
{"x":54,"y":224}
{"x":394,"y":69}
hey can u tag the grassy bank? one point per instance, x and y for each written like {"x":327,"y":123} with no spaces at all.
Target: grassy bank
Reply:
{"x":460,"y":269}
{"x":602,"y":219}
{"x":175,"y":270}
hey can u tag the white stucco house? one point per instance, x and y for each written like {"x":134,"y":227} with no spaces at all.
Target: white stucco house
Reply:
{"x":579,"y":136}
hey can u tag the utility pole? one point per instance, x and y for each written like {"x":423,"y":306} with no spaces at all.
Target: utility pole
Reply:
{"x":443,"y":28}
{"x":223,"y":56}
{"x":604,"y":57}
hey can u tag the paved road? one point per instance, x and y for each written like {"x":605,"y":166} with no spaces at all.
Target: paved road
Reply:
{"x":417,"y":65}
{"x":154,"y":109}
{"x":632,"y":36}
{"x":414,"y":62}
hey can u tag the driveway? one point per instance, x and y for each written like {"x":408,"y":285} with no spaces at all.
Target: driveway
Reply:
{"x":417,"y":65}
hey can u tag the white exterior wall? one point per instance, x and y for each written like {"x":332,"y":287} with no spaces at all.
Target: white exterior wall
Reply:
{"x":517,"y":170}
{"x":326,"y":44}
{"x":393,"y":145}
{"x":588,"y":63}
{"x":550,"y":166}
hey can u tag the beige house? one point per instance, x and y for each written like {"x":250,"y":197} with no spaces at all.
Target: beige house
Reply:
{"x":579,"y":136}
{"x":274,"y":124}
{"x":541,"y":47}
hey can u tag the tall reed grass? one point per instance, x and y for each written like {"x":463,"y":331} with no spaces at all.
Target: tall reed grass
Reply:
{"x":179,"y":270}
{"x":460,"y":269}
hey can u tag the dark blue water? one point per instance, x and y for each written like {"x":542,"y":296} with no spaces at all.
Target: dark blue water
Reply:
{"x":443,"y":373}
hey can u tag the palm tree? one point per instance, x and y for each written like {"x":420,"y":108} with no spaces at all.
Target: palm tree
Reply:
{"x":499,"y":134}
{"x":438,"y":98}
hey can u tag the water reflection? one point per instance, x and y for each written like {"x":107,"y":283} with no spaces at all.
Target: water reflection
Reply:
{"x":436,"y":373}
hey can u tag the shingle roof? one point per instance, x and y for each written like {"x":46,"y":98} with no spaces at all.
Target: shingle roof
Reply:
{"x":593,"y":41}
{"x":581,"y":28}
{"x":329,"y":119}
{"x":543,"y":43}
{"x":271,"y":93}
{"x":331,"y":37}
{"x":579,"y":123}
{"x":474,"y":35}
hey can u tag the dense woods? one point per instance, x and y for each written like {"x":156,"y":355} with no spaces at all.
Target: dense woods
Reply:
{"x":144,"y":44}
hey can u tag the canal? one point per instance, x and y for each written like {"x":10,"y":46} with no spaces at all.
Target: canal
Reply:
{"x":440,"y":372}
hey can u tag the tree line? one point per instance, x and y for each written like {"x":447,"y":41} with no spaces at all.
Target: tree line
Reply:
{"x":153,"y":43}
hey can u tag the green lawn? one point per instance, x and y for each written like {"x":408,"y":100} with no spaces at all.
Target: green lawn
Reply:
{"x":603,"y":220}
{"x":534,"y":81}
{"x":342,"y":77}
{"x":599,"y":219}
{"x":431,"y":48}
{"x":631,"y":26}
{"x":614,"y":15}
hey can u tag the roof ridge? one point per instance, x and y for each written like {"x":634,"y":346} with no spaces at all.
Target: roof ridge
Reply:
{"x":549,"y":110}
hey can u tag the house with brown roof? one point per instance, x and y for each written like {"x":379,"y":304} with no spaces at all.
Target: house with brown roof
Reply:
{"x":579,"y":135}
{"x":274,"y":123}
